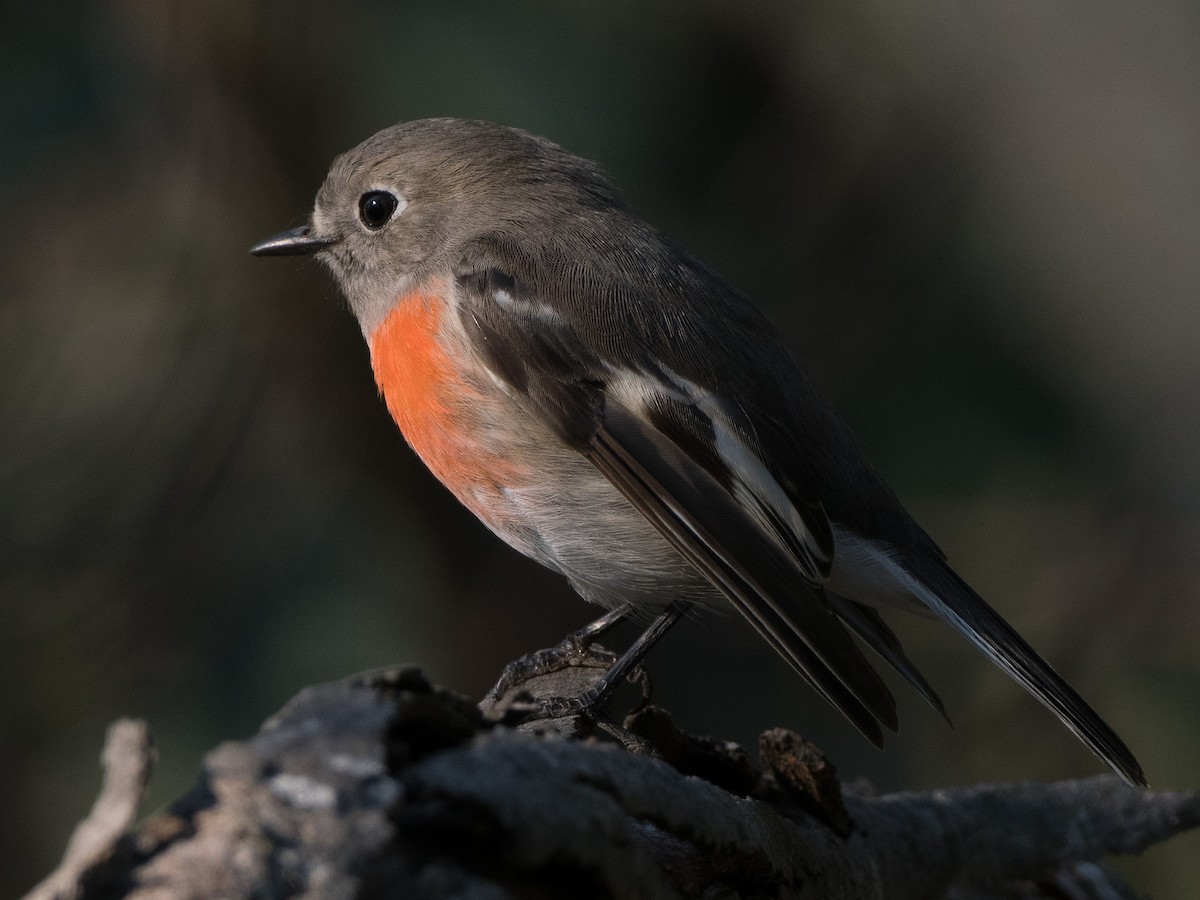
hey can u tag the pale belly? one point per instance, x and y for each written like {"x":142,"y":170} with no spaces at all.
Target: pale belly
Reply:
{"x":574,"y":521}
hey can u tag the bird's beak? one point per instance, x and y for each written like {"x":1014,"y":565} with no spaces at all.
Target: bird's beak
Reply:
{"x":297,"y":242}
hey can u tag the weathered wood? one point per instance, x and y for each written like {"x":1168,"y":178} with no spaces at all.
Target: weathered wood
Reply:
{"x":384,"y":786}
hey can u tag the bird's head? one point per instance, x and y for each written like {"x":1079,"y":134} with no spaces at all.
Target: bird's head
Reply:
{"x":402,"y":206}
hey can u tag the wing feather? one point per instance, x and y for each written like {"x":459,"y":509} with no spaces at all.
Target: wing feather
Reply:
{"x":871,"y":627}
{"x":837,"y":670}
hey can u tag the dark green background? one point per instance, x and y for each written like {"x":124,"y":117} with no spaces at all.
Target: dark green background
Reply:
{"x":980,"y":224}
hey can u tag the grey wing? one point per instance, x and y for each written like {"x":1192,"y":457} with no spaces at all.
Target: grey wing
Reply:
{"x":687,"y":467}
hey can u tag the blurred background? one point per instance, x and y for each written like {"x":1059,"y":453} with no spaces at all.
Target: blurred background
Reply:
{"x":980,"y":225}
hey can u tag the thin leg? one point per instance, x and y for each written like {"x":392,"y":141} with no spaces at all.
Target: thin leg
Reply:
{"x":602,"y":690}
{"x":573,"y":646}
{"x":593,"y":630}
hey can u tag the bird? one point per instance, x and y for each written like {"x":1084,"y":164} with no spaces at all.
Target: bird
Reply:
{"x":611,"y":407}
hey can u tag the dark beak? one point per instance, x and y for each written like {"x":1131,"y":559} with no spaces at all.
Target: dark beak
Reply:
{"x":297,"y":242}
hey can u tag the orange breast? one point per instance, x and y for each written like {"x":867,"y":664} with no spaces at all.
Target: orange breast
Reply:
{"x":439,"y":407}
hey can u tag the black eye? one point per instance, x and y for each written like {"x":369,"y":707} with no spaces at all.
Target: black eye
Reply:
{"x":375,"y":208}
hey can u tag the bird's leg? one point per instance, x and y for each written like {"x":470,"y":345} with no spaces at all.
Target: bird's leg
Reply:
{"x":599,"y":693}
{"x":570,"y":650}
{"x":596,"y":696}
{"x":593,"y":630}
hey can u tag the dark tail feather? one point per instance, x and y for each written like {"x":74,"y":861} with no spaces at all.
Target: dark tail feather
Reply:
{"x":871,"y":627}
{"x":967,"y":612}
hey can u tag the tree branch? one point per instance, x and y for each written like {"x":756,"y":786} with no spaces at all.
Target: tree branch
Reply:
{"x":382,"y":785}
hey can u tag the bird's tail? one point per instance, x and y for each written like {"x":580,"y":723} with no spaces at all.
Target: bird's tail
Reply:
{"x":955,"y":601}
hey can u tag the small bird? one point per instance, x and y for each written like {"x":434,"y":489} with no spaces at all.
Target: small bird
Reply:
{"x":611,"y":407}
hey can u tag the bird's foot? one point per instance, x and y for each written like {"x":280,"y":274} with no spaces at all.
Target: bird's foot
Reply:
{"x":572,"y":679}
{"x":555,"y":683}
{"x":595,"y":697}
{"x":574,"y":651}
{"x":563,"y":680}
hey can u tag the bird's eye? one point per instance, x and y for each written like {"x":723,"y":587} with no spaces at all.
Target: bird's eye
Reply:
{"x":375,"y":208}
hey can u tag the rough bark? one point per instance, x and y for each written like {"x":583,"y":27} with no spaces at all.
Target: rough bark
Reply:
{"x":384,"y":786}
